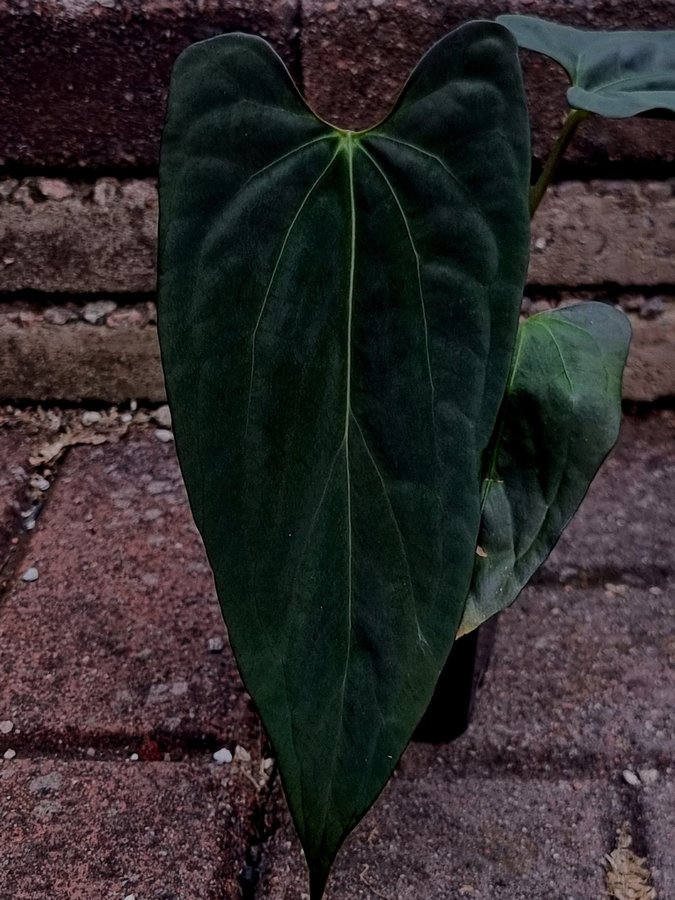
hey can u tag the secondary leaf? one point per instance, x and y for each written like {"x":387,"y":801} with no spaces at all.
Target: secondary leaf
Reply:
{"x":337,"y":313}
{"x":616,"y":74}
{"x":560,"y":418}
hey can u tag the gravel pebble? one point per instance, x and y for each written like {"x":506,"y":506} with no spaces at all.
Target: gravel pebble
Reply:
{"x":215,"y":645}
{"x":97,"y":311}
{"x":31,"y":574}
{"x":9,"y":754}
{"x":6,"y":726}
{"x":241,"y":754}
{"x":222,"y":756}
{"x":648,"y":776}
{"x":631,"y":778}
{"x":163,"y":435}
{"x":90,"y":417}
{"x":162,"y":416}
{"x":58,"y":315}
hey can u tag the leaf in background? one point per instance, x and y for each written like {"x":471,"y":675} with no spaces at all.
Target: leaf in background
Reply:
{"x":616,"y":74}
{"x":337,"y":314}
{"x":560,"y":419}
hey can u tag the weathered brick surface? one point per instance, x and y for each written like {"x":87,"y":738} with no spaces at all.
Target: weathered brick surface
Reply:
{"x":84,"y":83}
{"x":624,"y":528}
{"x":438,"y":837}
{"x":80,"y":362}
{"x":98,"y":831}
{"x":102,"y":237}
{"x":605,"y":231}
{"x":658,"y":803}
{"x":95,"y":90}
{"x":110,"y":643}
{"x":77,"y":361}
{"x":650,"y":373}
{"x":357,"y":55}
{"x":57,"y":236}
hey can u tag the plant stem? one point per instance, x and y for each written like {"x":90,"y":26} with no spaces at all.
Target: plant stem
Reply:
{"x":574,"y":118}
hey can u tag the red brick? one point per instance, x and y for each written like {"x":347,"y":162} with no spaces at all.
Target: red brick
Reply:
{"x":110,"y":644}
{"x":357,"y":55}
{"x":98,"y":831}
{"x":84,"y":83}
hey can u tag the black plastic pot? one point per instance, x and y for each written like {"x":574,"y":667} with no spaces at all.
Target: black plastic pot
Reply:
{"x":449,"y":713}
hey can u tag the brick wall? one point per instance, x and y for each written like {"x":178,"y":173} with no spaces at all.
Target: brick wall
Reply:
{"x":82,"y":89}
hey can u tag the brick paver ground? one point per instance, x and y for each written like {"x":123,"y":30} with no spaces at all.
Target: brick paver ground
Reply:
{"x":107,"y":655}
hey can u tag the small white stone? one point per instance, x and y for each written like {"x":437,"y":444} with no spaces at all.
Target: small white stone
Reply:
{"x":648,"y":776}
{"x":9,"y":754}
{"x":222,"y":756}
{"x":130,"y":897}
{"x":162,"y":416}
{"x":31,"y":574}
{"x":540,"y":243}
{"x":133,"y":757}
{"x":267,"y":763}
{"x":163,"y":435}
{"x":97,"y":311}
{"x":40,"y":483}
{"x":90,"y":417}
{"x":215,"y":645}
{"x":241,"y":754}
{"x":6,"y":727}
{"x":631,"y":778}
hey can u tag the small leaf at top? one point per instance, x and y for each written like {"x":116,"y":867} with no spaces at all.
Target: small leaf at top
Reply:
{"x":559,"y":420}
{"x":615,"y":74}
{"x":337,"y":313}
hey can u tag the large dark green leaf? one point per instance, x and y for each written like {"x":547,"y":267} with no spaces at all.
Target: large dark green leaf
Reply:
{"x":337,"y":317}
{"x":560,"y":418}
{"x":616,"y":74}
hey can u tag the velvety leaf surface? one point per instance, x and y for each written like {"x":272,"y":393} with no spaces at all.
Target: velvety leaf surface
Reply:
{"x":616,"y":74}
{"x":560,"y":418}
{"x":337,"y":313}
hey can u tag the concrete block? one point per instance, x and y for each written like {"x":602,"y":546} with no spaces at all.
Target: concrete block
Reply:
{"x":622,"y":232}
{"x":98,"y":237}
{"x":623,"y":532}
{"x":76,"y":361}
{"x":650,"y":372}
{"x":83,"y":84}
{"x":88,"y":830}
{"x":357,"y":55}
{"x":434,"y":836}
{"x":102,"y":237}
{"x":80,"y":362}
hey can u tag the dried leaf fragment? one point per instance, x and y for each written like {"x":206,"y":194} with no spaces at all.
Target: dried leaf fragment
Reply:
{"x":627,"y":877}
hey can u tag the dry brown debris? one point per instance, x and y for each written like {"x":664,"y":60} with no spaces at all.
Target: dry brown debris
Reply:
{"x":627,"y":876}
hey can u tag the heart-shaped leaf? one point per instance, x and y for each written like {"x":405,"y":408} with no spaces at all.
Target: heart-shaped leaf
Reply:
{"x":337,"y":314}
{"x":616,"y":74}
{"x":560,"y":418}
